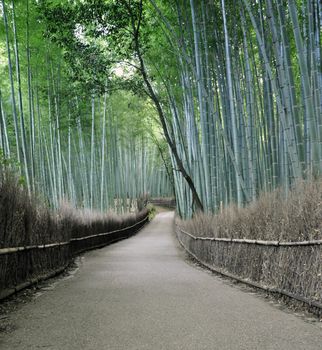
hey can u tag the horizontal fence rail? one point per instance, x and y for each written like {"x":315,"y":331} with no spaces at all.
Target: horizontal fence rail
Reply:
{"x":252,"y":241}
{"x":110,"y":232}
{"x":58,"y":244}
{"x":291,"y":269}
{"x":4,"y":251}
{"x":23,"y":266}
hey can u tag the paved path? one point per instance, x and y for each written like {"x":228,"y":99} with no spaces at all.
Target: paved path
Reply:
{"x":141,"y":294}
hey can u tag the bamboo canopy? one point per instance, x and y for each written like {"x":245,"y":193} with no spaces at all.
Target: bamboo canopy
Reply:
{"x":215,"y":101}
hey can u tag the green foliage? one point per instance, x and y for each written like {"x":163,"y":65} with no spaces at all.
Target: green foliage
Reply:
{"x":239,"y":87}
{"x":7,"y":162}
{"x":94,"y":36}
{"x":152,"y":211}
{"x":65,"y":64}
{"x":7,"y":165}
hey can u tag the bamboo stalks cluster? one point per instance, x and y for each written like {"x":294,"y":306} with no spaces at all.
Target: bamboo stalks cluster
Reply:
{"x":67,"y":145}
{"x":237,"y":86}
{"x":245,"y":96}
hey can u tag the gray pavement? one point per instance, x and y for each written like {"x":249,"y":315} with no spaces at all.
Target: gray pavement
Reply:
{"x":140,"y":293}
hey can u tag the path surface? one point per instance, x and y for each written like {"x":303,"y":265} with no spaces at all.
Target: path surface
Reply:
{"x":141,"y":294}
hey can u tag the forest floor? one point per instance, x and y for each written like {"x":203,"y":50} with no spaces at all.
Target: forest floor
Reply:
{"x":143,"y":293}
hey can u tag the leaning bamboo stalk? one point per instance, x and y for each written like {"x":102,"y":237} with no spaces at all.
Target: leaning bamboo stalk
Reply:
{"x":20,"y":104}
{"x":12,"y":89}
{"x":307,"y":95}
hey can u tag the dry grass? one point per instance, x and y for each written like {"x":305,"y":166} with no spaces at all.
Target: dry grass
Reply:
{"x":26,"y":221}
{"x":294,"y":269}
{"x":271,"y":217}
{"x":23,"y":221}
{"x":85,"y":222}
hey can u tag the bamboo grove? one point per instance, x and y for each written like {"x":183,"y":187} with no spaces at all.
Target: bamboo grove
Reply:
{"x":66,"y":143}
{"x":246,"y":96}
{"x":236,"y":84}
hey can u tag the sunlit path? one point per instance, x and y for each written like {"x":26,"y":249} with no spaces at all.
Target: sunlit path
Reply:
{"x":140,"y":293}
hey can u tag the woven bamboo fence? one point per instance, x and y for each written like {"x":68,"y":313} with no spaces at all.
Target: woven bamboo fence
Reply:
{"x":293,"y":269}
{"x":25,"y":265}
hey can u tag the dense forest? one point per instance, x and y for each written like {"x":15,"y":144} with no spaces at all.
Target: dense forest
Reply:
{"x":95,"y":146}
{"x":213,"y":101}
{"x":116,"y":112}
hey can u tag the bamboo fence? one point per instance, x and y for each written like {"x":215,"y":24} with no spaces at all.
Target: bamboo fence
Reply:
{"x":23,"y":266}
{"x":292,"y":269}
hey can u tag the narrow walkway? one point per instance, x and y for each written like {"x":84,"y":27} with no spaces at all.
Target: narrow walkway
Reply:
{"x":141,"y":294}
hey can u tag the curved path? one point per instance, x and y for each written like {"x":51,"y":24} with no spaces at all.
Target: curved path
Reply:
{"x":141,"y":294}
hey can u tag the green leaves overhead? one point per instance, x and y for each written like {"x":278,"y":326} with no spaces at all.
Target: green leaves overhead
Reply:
{"x":94,"y":36}
{"x":235,"y":85}
{"x":68,"y":111}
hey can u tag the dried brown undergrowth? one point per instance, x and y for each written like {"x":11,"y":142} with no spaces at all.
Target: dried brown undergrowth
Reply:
{"x":295,"y":270}
{"x":27,"y":221}
{"x":271,"y":217}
